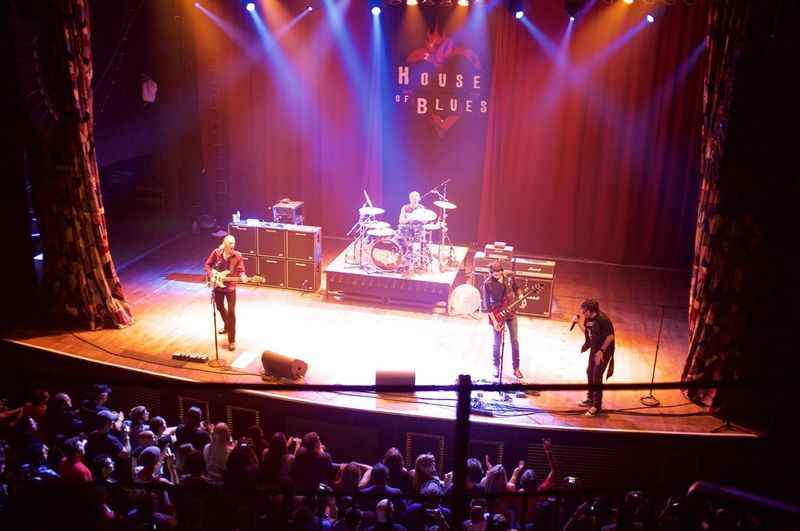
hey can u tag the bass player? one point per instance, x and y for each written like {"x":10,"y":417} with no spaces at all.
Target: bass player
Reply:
{"x":226,"y":258}
{"x":498,"y":290}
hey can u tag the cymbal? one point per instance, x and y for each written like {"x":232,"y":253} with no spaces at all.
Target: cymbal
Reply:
{"x":370,"y":211}
{"x":447,"y":205}
{"x":422,"y":215}
{"x":432,"y":226}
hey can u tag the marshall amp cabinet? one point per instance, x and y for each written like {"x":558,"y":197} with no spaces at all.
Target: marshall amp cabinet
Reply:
{"x":287,"y":256}
{"x":246,"y":238}
{"x":539,"y":274}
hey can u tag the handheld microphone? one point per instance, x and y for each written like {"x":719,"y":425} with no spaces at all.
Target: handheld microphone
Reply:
{"x":574,"y":320}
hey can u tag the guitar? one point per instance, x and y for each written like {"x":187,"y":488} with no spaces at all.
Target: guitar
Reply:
{"x":506,"y":310}
{"x":217,"y":279}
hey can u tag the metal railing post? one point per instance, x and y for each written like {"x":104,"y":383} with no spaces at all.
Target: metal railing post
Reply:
{"x":459,"y":508}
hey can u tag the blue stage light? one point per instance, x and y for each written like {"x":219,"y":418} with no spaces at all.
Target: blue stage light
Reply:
{"x":376,"y":11}
{"x":650,"y":19}
{"x":519,"y":14}
{"x":250,"y":6}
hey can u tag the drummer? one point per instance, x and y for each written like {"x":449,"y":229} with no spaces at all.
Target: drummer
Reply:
{"x":407,"y":209}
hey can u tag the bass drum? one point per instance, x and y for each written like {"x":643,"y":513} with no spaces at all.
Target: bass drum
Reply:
{"x":387,"y":254}
{"x":464,"y":300}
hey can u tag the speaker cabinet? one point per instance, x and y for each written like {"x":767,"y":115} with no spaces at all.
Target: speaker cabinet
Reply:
{"x":283,"y":366}
{"x":302,"y":275}
{"x":539,"y":301}
{"x":246,"y":238}
{"x":304,"y":243}
{"x":272,"y":242}
{"x":273,"y":270}
{"x":399,"y":377}
{"x":250,"y":265}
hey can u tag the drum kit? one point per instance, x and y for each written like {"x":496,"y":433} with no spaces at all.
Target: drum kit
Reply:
{"x":409,"y":248}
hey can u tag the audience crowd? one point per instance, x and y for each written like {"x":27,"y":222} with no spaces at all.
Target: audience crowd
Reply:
{"x":97,"y":468}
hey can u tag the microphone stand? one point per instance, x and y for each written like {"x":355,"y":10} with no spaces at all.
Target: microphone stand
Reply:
{"x":650,"y":400}
{"x":216,"y":362}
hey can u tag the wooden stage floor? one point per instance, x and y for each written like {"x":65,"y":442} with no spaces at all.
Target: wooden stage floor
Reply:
{"x":346,"y":343}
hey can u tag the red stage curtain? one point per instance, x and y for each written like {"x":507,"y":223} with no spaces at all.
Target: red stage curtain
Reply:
{"x":54,"y":63}
{"x":605,"y":167}
{"x":312,"y":136}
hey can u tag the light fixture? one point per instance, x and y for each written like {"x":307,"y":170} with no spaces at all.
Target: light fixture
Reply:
{"x":463,"y":3}
{"x":650,"y":19}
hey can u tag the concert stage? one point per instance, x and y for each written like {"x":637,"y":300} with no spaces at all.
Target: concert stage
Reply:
{"x":348,"y":343}
{"x":427,"y":289}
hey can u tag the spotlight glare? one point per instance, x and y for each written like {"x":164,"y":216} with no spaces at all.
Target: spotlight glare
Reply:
{"x":519,"y":14}
{"x":376,"y":11}
{"x":629,"y":2}
{"x":650,"y":19}
{"x":197,"y":4}
{"x":411,"y":2}
{"x":463,"y":3}
{"x":309,"y":8}
{"x":250,"y":6}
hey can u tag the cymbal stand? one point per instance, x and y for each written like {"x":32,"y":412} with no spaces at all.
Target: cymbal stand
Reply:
{"x":444,"y":236}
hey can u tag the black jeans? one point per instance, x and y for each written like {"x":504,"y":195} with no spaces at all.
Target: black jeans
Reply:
{"x":594,"y":375}
{"x":511,"y":325}
{"x":228,"y":315}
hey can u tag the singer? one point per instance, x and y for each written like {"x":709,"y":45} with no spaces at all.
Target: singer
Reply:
{"x":497,"y":290}
{"x":599,"y":341}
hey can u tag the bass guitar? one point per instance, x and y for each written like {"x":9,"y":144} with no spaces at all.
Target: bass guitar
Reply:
{"x":506,"y":310}
{"x":218,"y":279}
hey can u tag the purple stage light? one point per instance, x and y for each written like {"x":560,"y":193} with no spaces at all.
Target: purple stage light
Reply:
{"x":519,"y":14}
{"x":376,"y":11}
{"x":572,"y":19}
{"x":650,"y":19}
{"x":309,"y":8}
{"x":250,"y":6}
{"x":197,"y":4}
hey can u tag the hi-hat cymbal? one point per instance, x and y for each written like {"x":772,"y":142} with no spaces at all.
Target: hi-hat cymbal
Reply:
{"x":370,"y":211}
{"x":447,"y":205}
{"x":422,"y":215}
{"x":432,"y":226}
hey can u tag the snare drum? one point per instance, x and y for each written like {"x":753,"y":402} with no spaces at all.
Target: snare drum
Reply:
{"x":387,"y":254}
{"x":410,"y":231}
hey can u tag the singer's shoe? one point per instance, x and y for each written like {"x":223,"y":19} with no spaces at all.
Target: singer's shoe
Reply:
{"x":231,"y":346}
{"x":518,"y":374}
{"x":222,"y":330}
{"x":592,"y":411}
{"x":496,"y":371}
{"x":585,"y":403}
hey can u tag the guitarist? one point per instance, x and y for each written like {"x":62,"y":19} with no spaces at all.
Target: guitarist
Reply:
{"x":226,"y":258}
{"x":500,"y":289}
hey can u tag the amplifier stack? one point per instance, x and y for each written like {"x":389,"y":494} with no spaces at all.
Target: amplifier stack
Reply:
{"x":287,"y":256}
{"x":536,"y":273}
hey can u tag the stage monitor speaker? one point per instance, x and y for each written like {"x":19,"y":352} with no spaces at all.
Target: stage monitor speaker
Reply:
{"x":245,"y":238}
{"x":272,"y":241}
{"x":273,"y":270}
{"x":396,"y":377}
{"x":283,"y":366}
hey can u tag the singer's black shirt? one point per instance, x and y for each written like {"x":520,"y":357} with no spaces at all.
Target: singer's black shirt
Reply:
{"x":596,"y":331}
{"x":494,"y":292}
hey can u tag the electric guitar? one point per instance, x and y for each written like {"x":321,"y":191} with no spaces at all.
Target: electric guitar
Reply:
{"x":506,"y":309}
{"x":217,"y":279}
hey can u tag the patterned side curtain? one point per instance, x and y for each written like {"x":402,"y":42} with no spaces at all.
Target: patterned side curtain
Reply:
{"x":54,"y":66}
{"x":724,"y":243}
